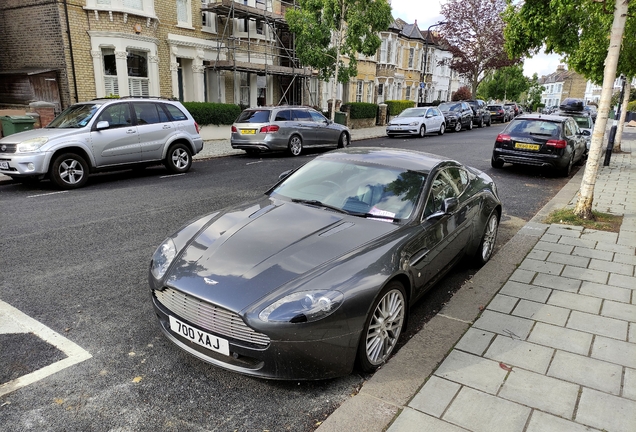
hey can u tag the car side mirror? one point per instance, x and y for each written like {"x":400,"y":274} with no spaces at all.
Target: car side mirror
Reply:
{"x":586,"y":133}
{"x":449,"y":205}
{"x":284,"y":174}
{"x":102,"y":125}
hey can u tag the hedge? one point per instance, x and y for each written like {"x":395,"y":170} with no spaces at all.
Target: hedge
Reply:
{"x":631,"y":106}
{"x":361,"y":110}
{"x":207,"y":113}
{"x":397,"y":106}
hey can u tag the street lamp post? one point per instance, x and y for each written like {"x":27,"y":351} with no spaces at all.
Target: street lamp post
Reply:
{"x":428,"y":32}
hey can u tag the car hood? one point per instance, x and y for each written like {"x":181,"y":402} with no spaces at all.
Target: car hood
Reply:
{"x":247,"y":252}
{"x":406,"y":120}
{"x":36,"y":133}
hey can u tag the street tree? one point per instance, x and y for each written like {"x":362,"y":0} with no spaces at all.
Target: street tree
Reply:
{"x":535,"y":89}
{"x":331,"y":33}
{"x":474,"y":31}
{"x":462,"y":93}
{"x":505,"y":84}
{"x":562,"y":27}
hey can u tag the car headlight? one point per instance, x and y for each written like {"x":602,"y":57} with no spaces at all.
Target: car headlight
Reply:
{"x":32,"y":145}
{"x":162,"y":258}
{"x":413,"y":123}
{"x":304,"y":306}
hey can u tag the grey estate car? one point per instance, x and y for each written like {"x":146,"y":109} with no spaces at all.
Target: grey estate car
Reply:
{"x":289,"y":128}
{"x":103,"y":134}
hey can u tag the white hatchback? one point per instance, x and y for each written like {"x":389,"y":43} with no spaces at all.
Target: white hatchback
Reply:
{"x":417,"y":121}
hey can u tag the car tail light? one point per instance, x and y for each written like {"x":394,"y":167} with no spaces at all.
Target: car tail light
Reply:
{"x":269,"y":129}
{"x":197,"y":127}
{"x":234,"y":129}
{"x":503,"y":138}
{"x":557,"y":143}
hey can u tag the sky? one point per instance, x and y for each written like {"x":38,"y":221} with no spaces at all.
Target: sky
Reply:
{"x":427,"y":12}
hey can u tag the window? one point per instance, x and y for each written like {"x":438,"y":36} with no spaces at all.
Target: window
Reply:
{"x":144,"y":8}
{"x":184,"y":12}
{"x":383,"y":51}
{"x":317,"y":117}
{"x":370,"y":92}
{"x":260,"y":27}
{"x":380,"y":89}
{"x":137,"y":64}
{"x":244,"y":95}
{"x":208,"y":19}
{"x":302,"y":116}
{"x":444,"y":186}
{"x":111,"y":85}
{"x":149,"y":113}
{"x":411,"y":52}
{"x":117,"y":115}
{"x":134,"y":4}
{"x":313,"y":90}
{"x":389,"y":51}
{"x":359,"y":86}
{"x":175,"y":113}
{"x":408,"y":93}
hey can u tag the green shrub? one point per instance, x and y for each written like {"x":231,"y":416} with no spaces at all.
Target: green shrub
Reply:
{"x":397,"y":106}
{"x":209,"y":113}
{"x":631,"y":106}
{"x":361,"y":110}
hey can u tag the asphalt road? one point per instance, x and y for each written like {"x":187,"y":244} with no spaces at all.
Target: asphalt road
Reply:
{"x":77,"y":262}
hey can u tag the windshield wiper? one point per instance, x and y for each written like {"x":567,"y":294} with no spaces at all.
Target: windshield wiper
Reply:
{"x":375,"y":216}
{"x":320,"y":204}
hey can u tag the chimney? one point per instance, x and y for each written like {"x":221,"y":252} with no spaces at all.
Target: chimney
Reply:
{"x":560,"y":68}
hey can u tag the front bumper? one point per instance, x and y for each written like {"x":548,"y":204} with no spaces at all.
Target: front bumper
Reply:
{"x":283,"y":360}
{"x":24,"y":164}
{"x":402,"y":130}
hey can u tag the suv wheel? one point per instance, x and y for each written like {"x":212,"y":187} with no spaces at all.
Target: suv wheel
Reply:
{"x":481,"y":122}
{"x":458,"y":125}
{"x":179,"y":159}
{"x":69,"y":171}
{"x":295,"y":145}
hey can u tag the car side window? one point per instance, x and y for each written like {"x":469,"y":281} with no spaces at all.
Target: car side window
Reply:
{"x":444,"y":186}
{"x":302,"y":115}
{"x":284,"y":115}
{"x":569,"y":129}
{"x":146,"y":113}
{"x":318,"y":118}
{"x":117,"y":115}
{"x":176,"y":113}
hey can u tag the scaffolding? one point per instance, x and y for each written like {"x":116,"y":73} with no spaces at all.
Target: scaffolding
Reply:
{"x":270,"y":53}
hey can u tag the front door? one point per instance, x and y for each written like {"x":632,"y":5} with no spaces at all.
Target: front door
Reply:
{"x":119,"y":143}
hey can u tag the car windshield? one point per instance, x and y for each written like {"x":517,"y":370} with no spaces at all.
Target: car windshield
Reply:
{"x":76,"y":116}
{"x":494,"y":107}
{"x":372,"y":191}
{"x":533,"y":127}
{"x":450,"y":106}
{"x":413,"y":112}
{"x":254,"y":116}
{"x":583,"y":121}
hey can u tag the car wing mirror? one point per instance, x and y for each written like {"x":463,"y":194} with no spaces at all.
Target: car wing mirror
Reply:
{"x":284,"y":174}
{"x":102,"y":125}
{"x":586,"y":133}
{"x":450,"y":205}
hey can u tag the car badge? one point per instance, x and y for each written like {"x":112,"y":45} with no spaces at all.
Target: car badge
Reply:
{"x":3,"y":148}
{"x":210,"y":281}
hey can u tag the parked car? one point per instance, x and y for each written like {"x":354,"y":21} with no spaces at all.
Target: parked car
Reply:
{"x":592,"y":110}
{"x":514,"y":109}
{"x":499,"y":113}
{"x":582,"y":118}
{"x":458,"y":115}
{"x":540,"y":140}
{"x":103,"y":134}
{"x":481,"y":113}
{"x":290,"y":128}
{"x":417,"y":121}
{"x":319,"y":273}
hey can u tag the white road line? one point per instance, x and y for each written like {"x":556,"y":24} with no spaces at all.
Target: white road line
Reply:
{"x":50,"y":193}
{"x":14,"y":321}
{"x":172,"y":175}
{"x":252,"y":163}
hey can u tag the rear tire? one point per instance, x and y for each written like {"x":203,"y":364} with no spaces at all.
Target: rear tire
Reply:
{"x":179,"y":159}
{"x":343,"y":141}
{"x":496,"y":163}
{"x":295,"y":145}
{"x":382,"y":327}
{"x":488,"y":239}
{"x":481,"y":123}
{"x":470,"y":125}
{"x":565,"y":172}
{"x":69,"y":171}
{"x":442,"y":129}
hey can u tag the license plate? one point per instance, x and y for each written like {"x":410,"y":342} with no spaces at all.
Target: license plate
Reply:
{"x":523,"y":146}
{"x":248,"y":131}
{"x":4,"y":165}
{"x":493,"y":113}
{"x":199,"y":337}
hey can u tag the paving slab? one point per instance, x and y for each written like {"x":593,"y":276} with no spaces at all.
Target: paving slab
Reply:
{"x":525,"y":291}
{"x":557,"y":282}
{"x":435,"y":396}
{"x":542,"y":312}
{"x":578,"y":302}
{"x":503,"y":303}
{"x":605,"y":291}
{"x":541,"y":392}
{"x":625,"y":259}
{"x":622,"y":281}
{"x":598,"y":325}
{"x":475,"y":341}
{"x":541,"y":266}
{"x":629,"y":384}
{"x":522,"y":354}
{"x":414,"y":421}
{"x":613,"y":247}
{"x":572,"y":241}
{"x":587,"y":372}
{"x":561,"y":338}
{"x":612,"y":267}
{"x":473,"y":371}
{"x":593,"y":253}
{"x":565,"y":230}
{"x":554,"y":247}
{"x":614,"y":351}
{"x":573,"y":260}
{"x":606,"y":412}
{"x":481,"y":412}
{"x":523,"y":276}
{"x":514,"y":327}
{"x":599,"y":236}
{"x":544,"y":422}
{"x":590,"y":275}
{"x":618,"y":310}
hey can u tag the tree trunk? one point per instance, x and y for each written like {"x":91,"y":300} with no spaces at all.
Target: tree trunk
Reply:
{"x":583,"y":207}
{"x":621,"y":122}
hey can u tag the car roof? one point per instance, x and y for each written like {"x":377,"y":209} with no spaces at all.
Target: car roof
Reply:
{"x":411,"y":160}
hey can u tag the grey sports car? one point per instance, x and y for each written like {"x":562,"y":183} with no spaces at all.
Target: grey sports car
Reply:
{"x":318,"y":275}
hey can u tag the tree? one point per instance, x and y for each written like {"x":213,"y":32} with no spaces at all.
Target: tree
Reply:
{"x":462,"y":93}
{"x":329,"y":31}
{"x":534,"y":93}
{"x":505,"y":84}
{"x":563,"y":27}
{"x":474,"y":31}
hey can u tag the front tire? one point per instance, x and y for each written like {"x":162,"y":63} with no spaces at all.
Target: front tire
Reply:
{"x":69,"y":171}
{"x":179,"y":159}
{"x":458,"y":125}
{"x":295,"y":145}
{"x":422,"y":131}
{"x":442,"y":129}
{"x":488,"y":239}
{"x":383,"y":327}
{"x":470,"y":124}
{"x":343,"y":141}
{"x":481,"y":123}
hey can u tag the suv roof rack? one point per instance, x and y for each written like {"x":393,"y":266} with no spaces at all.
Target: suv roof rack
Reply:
{"x":137,"y":97}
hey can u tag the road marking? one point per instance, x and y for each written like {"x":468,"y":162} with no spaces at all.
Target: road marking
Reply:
{"x":50,"y":193}
{"x":252,"y":163}
{"x":172,"y":175}
{"x":14,"y":321}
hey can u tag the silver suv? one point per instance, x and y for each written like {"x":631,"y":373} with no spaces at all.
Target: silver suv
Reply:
{"x":103,"y":134}
{"x":289,"y":128}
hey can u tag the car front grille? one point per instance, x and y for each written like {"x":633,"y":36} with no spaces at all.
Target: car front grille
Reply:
{"x":8,"y":148}
{"x":209,"y":316}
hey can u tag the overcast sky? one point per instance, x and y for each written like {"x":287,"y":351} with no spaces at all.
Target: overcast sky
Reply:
{"x":428,"y":12}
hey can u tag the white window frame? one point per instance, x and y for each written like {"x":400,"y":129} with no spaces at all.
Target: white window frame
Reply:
{"x":370,"y":92}
{"x":184,"y":16}
{"x":359,"y":89}
{"x":411,"y":57}
{"x":383,"y":51}
{"x":408,"y":93}
{"x":209,"y":18}
{"x":147,"y":7}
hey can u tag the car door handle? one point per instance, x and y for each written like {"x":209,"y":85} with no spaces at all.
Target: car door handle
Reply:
{"x":167,"y":127}
{"x":131,"y":131}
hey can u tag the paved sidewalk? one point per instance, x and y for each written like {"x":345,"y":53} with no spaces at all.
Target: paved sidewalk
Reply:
{"x":555,"y":349}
